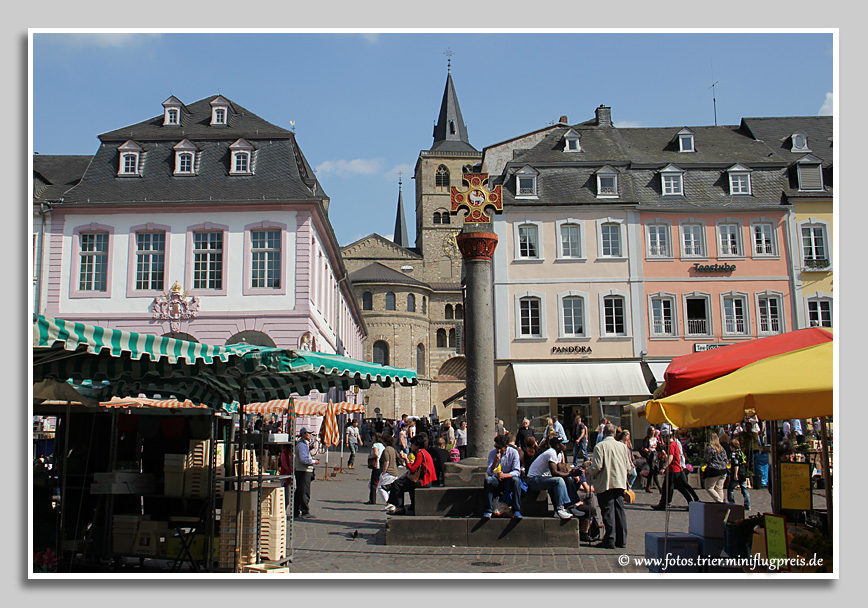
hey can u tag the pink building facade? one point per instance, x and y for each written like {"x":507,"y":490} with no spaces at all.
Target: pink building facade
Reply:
{"x":196,"y":224}
{"x":712,"y":279}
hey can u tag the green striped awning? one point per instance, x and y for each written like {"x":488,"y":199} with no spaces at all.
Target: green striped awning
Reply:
{"x":128,"y":363}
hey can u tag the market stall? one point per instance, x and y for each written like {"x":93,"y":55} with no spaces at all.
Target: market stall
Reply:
{"x":119,"y":363}
{"x":795,"y":384}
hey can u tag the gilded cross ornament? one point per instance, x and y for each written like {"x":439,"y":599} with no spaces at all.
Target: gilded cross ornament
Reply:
{"x":476,"y":199}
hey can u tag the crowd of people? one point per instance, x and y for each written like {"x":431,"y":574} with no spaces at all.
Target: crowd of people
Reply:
{"x":410,"y":453}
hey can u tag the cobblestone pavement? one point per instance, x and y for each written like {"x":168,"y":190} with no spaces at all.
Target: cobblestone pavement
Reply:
{"x":325,"y":544}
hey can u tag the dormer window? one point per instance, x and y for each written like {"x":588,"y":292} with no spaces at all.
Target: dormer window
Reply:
{"x":172,"y":112}
{"x":810,"y":173}
{"x":526,"y":182}
{"x":739,"y":180}
{"x":799,"y":143}
{"x":242,"y":158}
{"x":571,"y":142}
{"x":607,"y":182}
{"x":185,"y":157}
{"x":685,"y":141}
{"x":672,"y":181}
{"x":130,"y":158}
{"x":219,"y":111}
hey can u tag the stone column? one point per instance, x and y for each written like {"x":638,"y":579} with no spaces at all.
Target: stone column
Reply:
{"x":477,"y":243}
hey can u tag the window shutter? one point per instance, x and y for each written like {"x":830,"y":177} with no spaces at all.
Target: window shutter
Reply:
{"x":810,"y":177}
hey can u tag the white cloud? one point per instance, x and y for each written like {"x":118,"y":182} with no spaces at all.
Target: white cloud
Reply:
{"x":109,"y":40}
{"x":346,"y":168}
{"x":371,"y":37}
{"x":828,"y":107}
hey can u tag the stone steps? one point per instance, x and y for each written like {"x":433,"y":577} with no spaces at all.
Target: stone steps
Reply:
{"x":535,"y":532}
{"x":471,"y":502}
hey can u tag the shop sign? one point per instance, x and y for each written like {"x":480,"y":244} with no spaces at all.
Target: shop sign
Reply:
{"x":571,"y":350}
{"x":698,"y":348}
{"x":714,"y":267}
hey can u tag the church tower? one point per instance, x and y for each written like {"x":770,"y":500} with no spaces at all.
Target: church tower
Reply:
{"x":437,"y":170}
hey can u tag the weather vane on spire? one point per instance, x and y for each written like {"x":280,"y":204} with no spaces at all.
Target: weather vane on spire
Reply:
{"x":400,"y":175}
{"x":449,"y":52}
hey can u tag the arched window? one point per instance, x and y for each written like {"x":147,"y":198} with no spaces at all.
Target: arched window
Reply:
{"x":437,"y":217}
{"x":390,"y":301}
{"x":367,"y":301}
{"x":459,"y":311}
{"x":453,"y":342}
{"x":424,"y":305}
{"x":179,"y":335}
{"x":411,"y":303}
{"x":442,"y":177}
{"x":381,"y":352}
{"x":254,"y":338}
{"x":441,"y":338}
{"x":449,"y":314}
{"x":420,"y":359}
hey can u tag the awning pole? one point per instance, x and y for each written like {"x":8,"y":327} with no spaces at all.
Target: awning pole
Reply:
{"x":826,"y":474}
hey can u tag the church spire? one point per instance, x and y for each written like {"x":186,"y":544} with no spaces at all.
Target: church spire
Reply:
{"x":400,"y":237}
{"x":450,"y":132}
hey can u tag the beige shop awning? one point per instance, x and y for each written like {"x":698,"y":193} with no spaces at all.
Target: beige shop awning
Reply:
{"x":580,"y":379}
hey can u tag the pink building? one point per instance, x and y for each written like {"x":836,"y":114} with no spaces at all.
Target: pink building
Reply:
{"x":204,"y":222}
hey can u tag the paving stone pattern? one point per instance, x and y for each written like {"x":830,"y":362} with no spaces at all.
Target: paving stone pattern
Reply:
{"x":325,"y":544}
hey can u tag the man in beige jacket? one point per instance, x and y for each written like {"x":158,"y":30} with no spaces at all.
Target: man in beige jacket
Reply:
{"x":609,"y":466}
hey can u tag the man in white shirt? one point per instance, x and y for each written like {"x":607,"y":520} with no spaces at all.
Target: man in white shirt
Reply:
{"x":544,"y":475}
{"x":353,"y":441}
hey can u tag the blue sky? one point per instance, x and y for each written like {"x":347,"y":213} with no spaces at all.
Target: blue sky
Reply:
{"x":364,"y":104}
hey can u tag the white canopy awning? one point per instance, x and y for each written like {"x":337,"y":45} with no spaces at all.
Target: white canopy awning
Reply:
{"x":658,"y":368}
{"x":579,"y":379}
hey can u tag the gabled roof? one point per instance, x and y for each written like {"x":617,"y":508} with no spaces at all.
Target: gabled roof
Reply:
{"x":380,"y":273}
{"x":410,"y":252}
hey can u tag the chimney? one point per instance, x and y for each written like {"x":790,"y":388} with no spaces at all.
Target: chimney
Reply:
{"x":604,"y":116}
{"x":563,"y":120}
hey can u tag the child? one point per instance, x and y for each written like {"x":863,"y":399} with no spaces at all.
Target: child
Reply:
{"x":737,"y":475}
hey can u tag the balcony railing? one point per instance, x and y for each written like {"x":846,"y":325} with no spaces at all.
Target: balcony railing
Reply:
{"x":663,"y":328}
{"x":697,"y":327}
{"x":735,"y":326}
{"x":770,"y":326}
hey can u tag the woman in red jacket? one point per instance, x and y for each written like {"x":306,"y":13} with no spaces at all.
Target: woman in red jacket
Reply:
{"x":420,"y":474}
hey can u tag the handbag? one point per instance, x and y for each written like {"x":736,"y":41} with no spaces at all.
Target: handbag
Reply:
{"x":629,"y":496}
{"x":373,"y":462}
{"x":416,"y":475}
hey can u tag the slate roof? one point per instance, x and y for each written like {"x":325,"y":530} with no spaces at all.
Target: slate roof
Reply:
{"x":280,"y":170}
{"x":54,"y":174}
{"x":638,"y":154}
{"x":380,"y":273}
{"x":776,"y":133}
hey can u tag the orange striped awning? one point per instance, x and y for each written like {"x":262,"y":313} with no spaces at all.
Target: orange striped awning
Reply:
{"x":137,"y":402}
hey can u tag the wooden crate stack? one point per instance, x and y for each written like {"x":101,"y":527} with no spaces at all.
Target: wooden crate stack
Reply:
{"x":173,"y":474}
{"x":272,"y":529}
{"x":198,"y":469}
{"x":220,"y":470}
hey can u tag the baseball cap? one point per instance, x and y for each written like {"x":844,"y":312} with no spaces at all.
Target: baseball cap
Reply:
{"x":303,"y":430}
